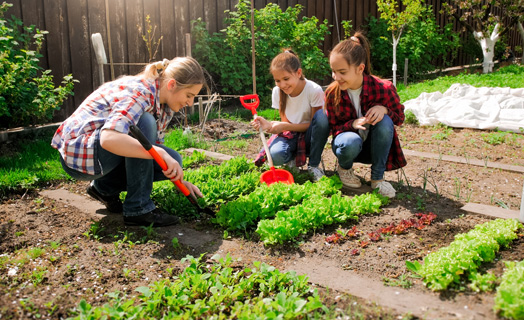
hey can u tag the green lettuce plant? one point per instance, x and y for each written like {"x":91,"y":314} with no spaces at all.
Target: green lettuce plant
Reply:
{"x":465,"y":254}
{"x":509,"y":300}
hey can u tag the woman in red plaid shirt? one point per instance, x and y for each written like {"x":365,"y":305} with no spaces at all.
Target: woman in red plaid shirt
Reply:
{"x":362,"y":111}
{"x":94,"y":144}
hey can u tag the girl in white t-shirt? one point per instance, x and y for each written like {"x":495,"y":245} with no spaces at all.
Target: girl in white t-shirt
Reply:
{"x":303,"y":128}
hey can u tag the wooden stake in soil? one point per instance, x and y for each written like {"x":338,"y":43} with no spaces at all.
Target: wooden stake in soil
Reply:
{"x":521,"y":218}
{"x":253,"y":46}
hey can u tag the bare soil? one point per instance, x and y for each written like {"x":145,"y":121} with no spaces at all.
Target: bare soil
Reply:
{"x":84,"y":266}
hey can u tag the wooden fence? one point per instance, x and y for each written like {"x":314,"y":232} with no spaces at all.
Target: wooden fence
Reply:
{"x":122,"y":23}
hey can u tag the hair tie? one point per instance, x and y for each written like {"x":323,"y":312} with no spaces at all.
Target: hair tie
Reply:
{"x":353,"y":38}
{"x":161,"y":65}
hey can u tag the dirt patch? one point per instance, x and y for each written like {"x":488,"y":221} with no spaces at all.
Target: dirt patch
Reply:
{"x":79,"y":262}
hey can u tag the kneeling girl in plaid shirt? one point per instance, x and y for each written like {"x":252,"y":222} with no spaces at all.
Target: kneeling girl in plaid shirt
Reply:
{"x":363,"y":111}
{"x":94,"y":143}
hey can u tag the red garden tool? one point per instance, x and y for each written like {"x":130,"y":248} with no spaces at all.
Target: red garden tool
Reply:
{"x":273,"y":175}
{"x":137,"y":133}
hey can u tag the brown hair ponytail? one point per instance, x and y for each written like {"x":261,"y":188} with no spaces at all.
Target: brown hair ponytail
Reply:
{"x":355,"y":50}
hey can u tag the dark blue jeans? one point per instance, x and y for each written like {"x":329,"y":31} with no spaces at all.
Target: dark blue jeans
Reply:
{"x":115,"y":174}
{"x":348,"y":147}
{"x":284,"y":150}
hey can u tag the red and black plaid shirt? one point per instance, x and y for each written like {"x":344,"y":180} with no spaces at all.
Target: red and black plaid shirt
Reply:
{"x":375,"y":92}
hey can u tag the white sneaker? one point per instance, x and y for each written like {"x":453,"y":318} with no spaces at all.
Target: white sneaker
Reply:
{"x":316,"y":172}
{"x":291,"y":164}
{"x":348,"y":178}
{"x":384,"y":188}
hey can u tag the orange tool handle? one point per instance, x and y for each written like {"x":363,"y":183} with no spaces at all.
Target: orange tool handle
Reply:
{"x":137,"y":133}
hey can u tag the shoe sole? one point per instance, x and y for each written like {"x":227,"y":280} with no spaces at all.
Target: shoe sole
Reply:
{"x":354,"y":186}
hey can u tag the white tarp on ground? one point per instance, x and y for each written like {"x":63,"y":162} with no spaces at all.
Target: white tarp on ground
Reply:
{"x":464,"y":106}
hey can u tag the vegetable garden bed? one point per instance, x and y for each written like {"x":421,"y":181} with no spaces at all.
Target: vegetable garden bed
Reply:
{"x":56,"y":255}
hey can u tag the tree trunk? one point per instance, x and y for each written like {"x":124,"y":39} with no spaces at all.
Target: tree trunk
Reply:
{"x":521,"y":31}
{"x":394,"y":67}
{"x":488,"y":48}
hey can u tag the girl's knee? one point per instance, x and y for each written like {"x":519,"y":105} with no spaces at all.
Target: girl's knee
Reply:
{"x":385,"y":126}
{"x":349,"y":149}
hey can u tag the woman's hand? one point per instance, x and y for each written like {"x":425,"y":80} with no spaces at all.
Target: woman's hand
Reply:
{"x":376,"y":114}
{"x":193,"y":189}
{"x":174,"y":169}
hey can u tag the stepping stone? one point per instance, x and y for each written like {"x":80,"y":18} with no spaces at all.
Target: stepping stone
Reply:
{"x":215,"y":155}
{"x":491,"y":211}
{"x":422,"y":304}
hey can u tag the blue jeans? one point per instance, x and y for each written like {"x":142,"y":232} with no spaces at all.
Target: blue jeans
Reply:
{"x":284,"y":150}
{"x":348,"y":147}
{"x":115,"y":174}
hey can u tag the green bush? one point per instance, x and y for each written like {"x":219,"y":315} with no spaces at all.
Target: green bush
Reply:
{"x":426,"y":45}
{"x":227,"y":54}
{"x":27,"y":92}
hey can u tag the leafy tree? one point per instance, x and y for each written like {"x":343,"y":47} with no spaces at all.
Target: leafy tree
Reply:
{"x":487,"y":20}
{"x":227,"y":54}
{"x":425,"y":44}
{"x":397,"y":21}
{"x":28,"y":95}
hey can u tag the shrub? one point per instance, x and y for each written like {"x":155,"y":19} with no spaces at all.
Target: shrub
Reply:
{"x":227,"y":54}
{"x":27,"y":92}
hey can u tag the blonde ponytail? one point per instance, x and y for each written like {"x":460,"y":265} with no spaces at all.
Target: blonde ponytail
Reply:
{"x":185,"y":70}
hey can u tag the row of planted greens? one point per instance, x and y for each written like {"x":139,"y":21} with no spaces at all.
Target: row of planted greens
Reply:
{"x":460,"y":261}
{"x":215,"y":291}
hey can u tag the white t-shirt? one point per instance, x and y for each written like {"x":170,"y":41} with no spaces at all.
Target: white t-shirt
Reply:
{"x":298,"y":109}
{"x":354,"y":95}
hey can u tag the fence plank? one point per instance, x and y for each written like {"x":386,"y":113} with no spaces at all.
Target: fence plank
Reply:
{"x":328,"y":14}
{"x":33,"y":14}
{"x":97,"y":24}
{"x":311,"y":8}
{"x":135,"y":23}
{"x":222,"y":5}
{"x":352,"y":13}
{"x":168,"y":29}
{"x":181,"y":25}
{"x":118,"y":33}
{"x":56,"y":18}
{"x":211,"y":16}
{"x":303,"y":13}
{"x":15,"y":9}
{"x":152,"y":9}
{"x":80,"y":45}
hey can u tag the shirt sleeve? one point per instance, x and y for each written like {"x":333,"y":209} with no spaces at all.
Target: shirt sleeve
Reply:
{"x":316,"y":96}
{"x":275,"y":98}
{"x":126,"y":112}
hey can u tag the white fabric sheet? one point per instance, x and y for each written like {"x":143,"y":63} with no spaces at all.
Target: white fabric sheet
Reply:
{"x":465,"y":106}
